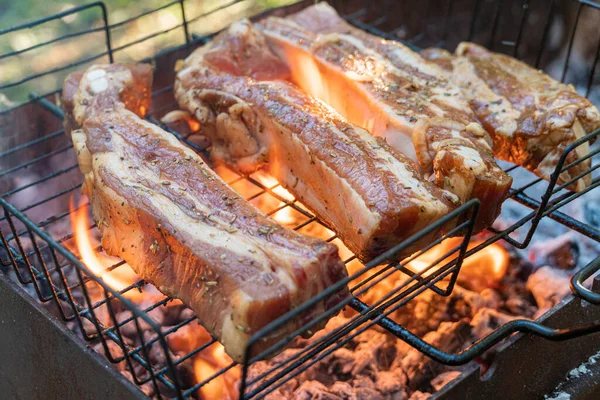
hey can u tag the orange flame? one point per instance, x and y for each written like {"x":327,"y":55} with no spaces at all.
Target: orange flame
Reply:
{"x":99,"y":262}
{"x":207,"y":364}
{"x":284,"y":216}
{"x":485,"y":268}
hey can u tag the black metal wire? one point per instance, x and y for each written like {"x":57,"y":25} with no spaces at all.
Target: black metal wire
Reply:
{"x":40,"y":274}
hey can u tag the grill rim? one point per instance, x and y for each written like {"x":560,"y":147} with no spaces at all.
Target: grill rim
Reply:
{"x":547,"y":207}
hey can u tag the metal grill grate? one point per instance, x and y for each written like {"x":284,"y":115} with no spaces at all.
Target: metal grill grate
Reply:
{"x":38,"y":247}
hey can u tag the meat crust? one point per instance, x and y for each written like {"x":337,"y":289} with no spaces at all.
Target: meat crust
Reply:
{"x":371,"y":195}
{"x":163,"y":210}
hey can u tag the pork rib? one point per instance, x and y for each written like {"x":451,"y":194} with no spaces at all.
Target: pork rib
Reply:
{"x":531,"y":117}
{"x":407,"y":101}
{"x":371,"y":195}
{"x":163,"y":210}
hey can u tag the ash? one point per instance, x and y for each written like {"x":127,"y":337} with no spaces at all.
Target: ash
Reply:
{"x":584,"y":371}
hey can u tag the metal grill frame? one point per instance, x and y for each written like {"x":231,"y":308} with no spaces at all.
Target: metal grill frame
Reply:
{"x":44,"y":266}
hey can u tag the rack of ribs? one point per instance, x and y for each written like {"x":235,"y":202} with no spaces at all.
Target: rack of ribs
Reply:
{"x":531,"y":117}
{"x":163,"y":210}
{"x":394,"y":93}
{"x":370,"y":194}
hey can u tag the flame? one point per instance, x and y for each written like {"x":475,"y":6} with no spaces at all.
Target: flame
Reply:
{"x":193,"y":124}
{"x":206,"y":365}
{"x":485,"y":268}
{"x":284,"y":216}
{"x":98,"y":262}
{"x":307,"y":74}
{"x":180,"y":115}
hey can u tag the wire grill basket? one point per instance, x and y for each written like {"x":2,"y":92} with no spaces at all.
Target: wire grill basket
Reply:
{"x":36,"y":250}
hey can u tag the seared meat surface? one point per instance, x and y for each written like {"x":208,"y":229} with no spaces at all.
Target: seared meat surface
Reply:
{"x":370,"y":194}
{"x":531,"y":117}
{"x":394,"y":93}
{"x":163,"y":210}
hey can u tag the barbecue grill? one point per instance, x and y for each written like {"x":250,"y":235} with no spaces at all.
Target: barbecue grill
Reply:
{"x":34,"y":239}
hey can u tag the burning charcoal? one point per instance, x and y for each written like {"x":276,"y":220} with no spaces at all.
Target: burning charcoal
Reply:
{"x":285,"y":391}
{"x":444,"y":378}
{"x":147,"y":387}
{"x":425,"y":312}
{"x":518,"y":299}
{"x":491,"y":298}
{"x":388,"y":382}
{"x":88,"y":327}
{"x":343,"y":390}
{"x":185,"y":372}
{"x":591,"y":211}
{"x":362,"y":381}
{"x":342,"y":361}
{"x":562,"y":252}
{"x":175,"y":312}
{"x":128,"y":329}
{"x":548,"y":286}
{"x":418,"y":395}
{"x":488,"y":320}
{"x":376,"y":365}
{"x":157,"y":316}
{"x":365,"y":358}
{"x":312,"y":390}
{"x":368,"y":394}
{"x":519,"y":269}
{"x":449,"y":337}
{"x":565,"y":256}
{"x":187,"y":338}
{"x":278,"y":394}
{"x":156,"y":352}
{"x":519,"y":306}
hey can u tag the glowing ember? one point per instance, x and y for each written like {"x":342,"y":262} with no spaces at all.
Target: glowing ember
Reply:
{"x":265,"y":179}
{"x":284,"y":216}
{"x":99,"y":262}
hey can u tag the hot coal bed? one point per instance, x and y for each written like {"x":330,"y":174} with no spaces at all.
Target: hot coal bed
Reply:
{"x":443,"y":324}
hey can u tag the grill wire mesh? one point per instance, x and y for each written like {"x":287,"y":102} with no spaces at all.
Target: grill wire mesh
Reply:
{"x":37,"y":243}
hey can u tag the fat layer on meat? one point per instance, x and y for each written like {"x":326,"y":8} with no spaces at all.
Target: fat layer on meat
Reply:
{"x":371,"y":195}
{"x":179,"y":226}
{"x":393,"y":92}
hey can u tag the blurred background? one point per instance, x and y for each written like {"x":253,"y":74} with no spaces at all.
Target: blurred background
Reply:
{"x":79,"y":38}
{"x":205,"y":16}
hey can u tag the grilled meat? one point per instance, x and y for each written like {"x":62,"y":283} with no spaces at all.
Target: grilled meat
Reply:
{"x":531,"y":117}
{"x":163,"y":210}
{"x":371,"y":195}
{"x":391,"y":91}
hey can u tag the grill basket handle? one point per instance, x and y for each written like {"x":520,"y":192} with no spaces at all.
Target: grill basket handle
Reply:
{"x":581,"y":276}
